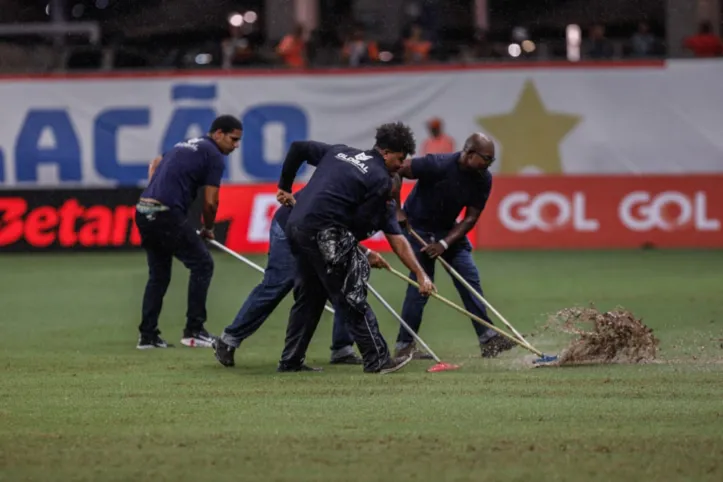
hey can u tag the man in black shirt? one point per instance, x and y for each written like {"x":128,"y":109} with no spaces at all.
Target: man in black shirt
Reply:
{"x":162,"y":219}
{"x":278,"y":281}
{"x":447,"y":185}
{"x":347,"y":183}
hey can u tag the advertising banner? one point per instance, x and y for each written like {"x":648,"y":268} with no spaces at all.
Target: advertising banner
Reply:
{"x":603,"y":212}
{"x":246,"y":213}
{"x":89,"y":219}
{"x":103,"y":219}
{"x":535,"y":212}
{"x":543,"y":212}
{"x":604,"y":118}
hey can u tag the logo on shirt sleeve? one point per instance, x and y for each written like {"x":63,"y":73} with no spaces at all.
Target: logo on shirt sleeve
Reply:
{"x":357,"y":161}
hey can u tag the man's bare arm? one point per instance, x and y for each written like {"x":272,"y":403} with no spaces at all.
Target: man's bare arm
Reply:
{"x":471,"y":216}
{"x":401,"y":215}
{"x":404,"y":251}
{"x":406,"y":169}
{"x":210,"y":206}
{"x":455,"y":234}
{"x":153,"y":165}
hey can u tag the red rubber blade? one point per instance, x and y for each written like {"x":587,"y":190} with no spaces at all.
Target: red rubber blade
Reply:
{"x":442,"y":367}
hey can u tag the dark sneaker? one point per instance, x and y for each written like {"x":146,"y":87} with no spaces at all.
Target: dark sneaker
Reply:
{"x":149,"y":342}
{"x":395,"y":364}
{"x":350,"y":359}
{"x":495,"y":346}
{"x":284,"y":368}
{"x":224,"y":353}
{"x":197,"y":339}
{"x":411,"y":349}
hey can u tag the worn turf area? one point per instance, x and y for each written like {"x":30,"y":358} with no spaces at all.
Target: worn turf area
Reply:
{"x":79,"y":402}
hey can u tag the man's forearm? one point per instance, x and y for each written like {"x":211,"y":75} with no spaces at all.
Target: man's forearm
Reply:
{"x":401,"y":214}
{"x":295,"y":157}
{"x":152,"y":166}
{"x":209,"y":215}
{"x":404,"y":252}
{"x":406,"y":170}
{"x":398,"y":200}
{"x":459,"y":231}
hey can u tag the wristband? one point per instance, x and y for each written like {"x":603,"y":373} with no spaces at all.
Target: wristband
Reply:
{"x":366,"y":250}
{"x":444,"y":244}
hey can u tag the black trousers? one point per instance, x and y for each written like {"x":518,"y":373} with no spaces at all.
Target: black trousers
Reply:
{"x":329,"y":264}
{"x":164,"y":235}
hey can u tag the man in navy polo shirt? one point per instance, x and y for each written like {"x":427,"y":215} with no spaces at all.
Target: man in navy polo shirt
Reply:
{"x":446,"y":185}
{"x":346,"y":182}
{"x":162,"y":219}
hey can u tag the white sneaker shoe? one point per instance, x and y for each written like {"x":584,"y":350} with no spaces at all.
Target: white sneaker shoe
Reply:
{"x":197,"y":339}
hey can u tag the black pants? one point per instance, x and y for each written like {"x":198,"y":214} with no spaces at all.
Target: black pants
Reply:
{"x":343,"y":280}
{"x":164,"y":235}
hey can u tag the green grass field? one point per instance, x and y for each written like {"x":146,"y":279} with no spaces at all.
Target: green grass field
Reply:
{"x":79,"y":402}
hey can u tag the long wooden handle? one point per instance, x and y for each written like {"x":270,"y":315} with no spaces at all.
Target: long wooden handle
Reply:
{"x":474,"y":292}
{"x":467,"y":313}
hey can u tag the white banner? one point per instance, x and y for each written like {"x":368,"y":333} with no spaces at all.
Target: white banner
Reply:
{"x":603,"y":120}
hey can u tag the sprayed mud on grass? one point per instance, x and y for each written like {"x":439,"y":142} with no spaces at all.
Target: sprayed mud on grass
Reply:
{"x":616,"y":336}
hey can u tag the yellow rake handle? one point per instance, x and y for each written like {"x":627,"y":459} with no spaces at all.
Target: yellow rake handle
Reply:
{"x":474,"y":293}
{"x":467,"y":313}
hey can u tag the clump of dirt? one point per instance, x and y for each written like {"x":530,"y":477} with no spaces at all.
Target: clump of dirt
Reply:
{"x":612,"y":337}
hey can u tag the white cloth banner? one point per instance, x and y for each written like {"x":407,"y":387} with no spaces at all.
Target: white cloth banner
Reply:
{"x":103,"y":131}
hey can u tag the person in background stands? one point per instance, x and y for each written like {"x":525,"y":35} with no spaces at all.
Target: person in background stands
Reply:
{"x":360,"y":51}
{"x":598,"y":45}
{"x":292,"y":48}
{"x":705,"y":43}
{"x":438,"y":142}
{"x":643,"y":41}
{"x":416,"y":47}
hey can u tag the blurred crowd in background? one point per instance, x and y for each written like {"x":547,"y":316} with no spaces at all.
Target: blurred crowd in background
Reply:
{"x":186,"y":34}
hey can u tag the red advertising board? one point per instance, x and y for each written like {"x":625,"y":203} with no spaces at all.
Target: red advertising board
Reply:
{"x":535,"y":212}
{"x":603,"y":212}
{"x":248,"y":210}
{"x":85,"y":219}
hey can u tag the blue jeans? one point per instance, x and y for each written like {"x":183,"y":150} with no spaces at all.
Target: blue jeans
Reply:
{"x":459,"y":256}
{"x":264,"y":298}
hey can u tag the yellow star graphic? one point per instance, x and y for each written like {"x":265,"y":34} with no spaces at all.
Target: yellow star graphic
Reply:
{"x":530,"y":135}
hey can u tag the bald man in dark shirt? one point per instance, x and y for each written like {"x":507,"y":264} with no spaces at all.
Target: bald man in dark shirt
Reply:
{"x":448,"y":184}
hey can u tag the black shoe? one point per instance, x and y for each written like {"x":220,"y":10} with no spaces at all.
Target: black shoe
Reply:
{"x":197,"y":338}
{"x":224,"y":353}
{"x":393,"y":364}
{"x":284,"y":368}
{"x":147,"y":342}
{"x":495,"y":346}
{"x":350,"y":359}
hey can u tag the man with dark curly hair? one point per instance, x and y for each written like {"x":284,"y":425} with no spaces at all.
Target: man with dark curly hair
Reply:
{"x":278,"y":281}
{"x":348,"y":185}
